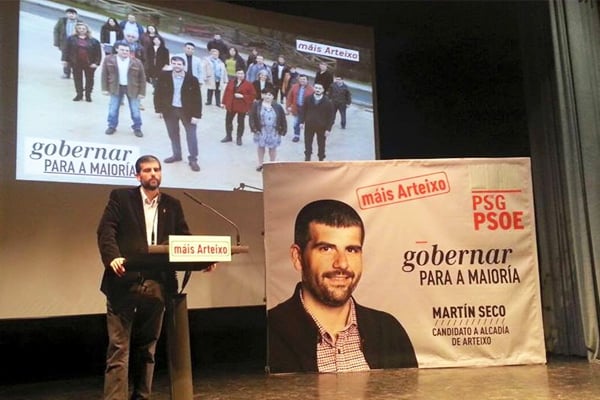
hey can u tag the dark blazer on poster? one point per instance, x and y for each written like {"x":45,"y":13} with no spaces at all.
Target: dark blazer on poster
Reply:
{"x":122,"y":233}
{"x":191,"y":98}
{"x":293,"y":337}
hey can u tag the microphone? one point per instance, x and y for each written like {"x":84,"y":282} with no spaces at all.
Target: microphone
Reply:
{"x":237,"y":230}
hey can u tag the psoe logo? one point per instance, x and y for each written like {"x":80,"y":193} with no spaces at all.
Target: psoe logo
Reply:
{"x":492,"y":210}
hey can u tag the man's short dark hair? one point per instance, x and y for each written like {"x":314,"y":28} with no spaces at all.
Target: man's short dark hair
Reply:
{"x":178,"y":58}
{"x":329,"y":212}
{"x":122,"y":43}
{"x":144,"y":159}
{"x":189,"y":44}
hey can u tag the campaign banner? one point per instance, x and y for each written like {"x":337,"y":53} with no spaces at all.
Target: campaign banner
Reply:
{"x":63,"y":160}
{"x":449,"y":251}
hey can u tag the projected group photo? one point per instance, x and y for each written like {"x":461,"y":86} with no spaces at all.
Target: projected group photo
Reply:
{"x":101,"y":84}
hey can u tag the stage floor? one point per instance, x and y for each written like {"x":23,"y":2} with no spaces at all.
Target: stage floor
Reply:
{"x":561,"y":378}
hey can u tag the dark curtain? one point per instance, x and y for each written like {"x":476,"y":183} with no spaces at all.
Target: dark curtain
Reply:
{"x":562,"y":75}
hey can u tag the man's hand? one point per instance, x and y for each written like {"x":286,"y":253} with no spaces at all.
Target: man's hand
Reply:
{"x":195,"y":121}
{"x":117,"y":266}
{"x":211,"y":268}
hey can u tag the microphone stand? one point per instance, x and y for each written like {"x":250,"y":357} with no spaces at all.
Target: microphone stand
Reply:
{"x":243,"y":186}
{"x":237,"y":230}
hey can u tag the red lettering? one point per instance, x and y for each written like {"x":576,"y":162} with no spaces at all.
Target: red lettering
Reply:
{"x":504,"y":220}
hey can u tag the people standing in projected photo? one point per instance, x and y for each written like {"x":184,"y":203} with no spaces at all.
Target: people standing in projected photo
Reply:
{"x":133,"y":219}
{"x":268,"y":124}
{"x":157,"y":59}
{"x":322,"y":328}
{"x":324,"y":76}
{"x":84,"y":56}
{"x":218,"y":43}
{"x":147,"y":38}
{"x":110,"y":33}
{"x":341,"y":97}
{"x":193,"y":64}
{"x":295,"y":101}
{"x":254,"y":69}
{"x":279,"y":71}
{"x":215,"y":77}
{"x":136,"y":50}
{"x":317,"y":116}
{"x":289,"y":79}
{"x":237,"y":100}
{"x":130,"y":25}
{"x":261,"y":84}
{"x":177,"y":98}
{"x":63,"y":29}
{"x":251,"y":58}
{"x":123,"y":76}
{"x":234,"y":62}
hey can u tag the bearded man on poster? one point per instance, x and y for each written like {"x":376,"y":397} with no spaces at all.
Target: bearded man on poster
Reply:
{"x":322,"y":328}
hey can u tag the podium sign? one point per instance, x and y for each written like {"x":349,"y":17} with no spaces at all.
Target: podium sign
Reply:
{"x":199,"y":248}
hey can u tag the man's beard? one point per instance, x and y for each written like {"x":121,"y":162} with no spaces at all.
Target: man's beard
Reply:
{"x":150,"y":186}
{"x":327,"y":292}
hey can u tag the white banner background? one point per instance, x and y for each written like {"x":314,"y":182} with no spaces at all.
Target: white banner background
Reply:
{"x":406,"y":220}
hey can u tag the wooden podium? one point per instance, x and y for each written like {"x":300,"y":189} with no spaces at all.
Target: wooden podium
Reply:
{"x":176,"y":315}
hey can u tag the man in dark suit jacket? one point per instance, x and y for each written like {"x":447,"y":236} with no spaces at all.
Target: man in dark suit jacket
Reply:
{"x":132,"y":220}
{"x":306,"y":331}
{"x":317,"y":116}
{"x":177,"y":98}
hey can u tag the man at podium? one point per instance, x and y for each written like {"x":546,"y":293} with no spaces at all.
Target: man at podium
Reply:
{"x":133,"y":219}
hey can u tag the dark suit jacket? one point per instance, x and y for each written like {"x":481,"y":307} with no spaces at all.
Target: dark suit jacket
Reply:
{"x":317,"y":116}
{"x":191,"y":99}
{"x":122,"y":233}
{"x":293,"y":338}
